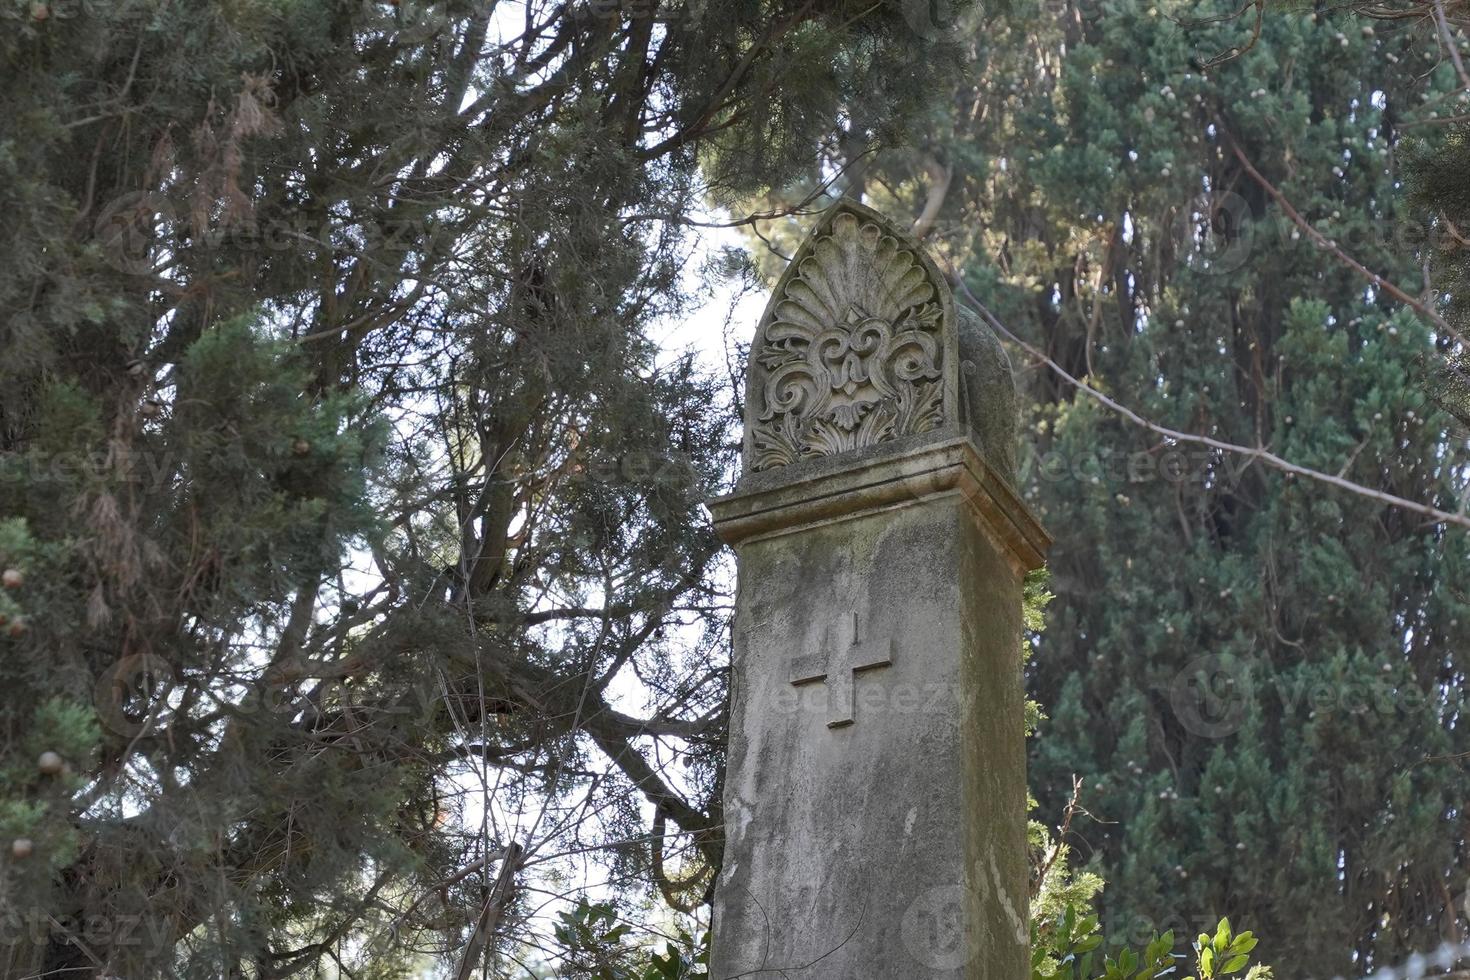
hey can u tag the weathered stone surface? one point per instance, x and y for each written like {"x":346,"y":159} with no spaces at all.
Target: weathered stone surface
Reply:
{"x":988,"y":393}
{"x":875,"y":797}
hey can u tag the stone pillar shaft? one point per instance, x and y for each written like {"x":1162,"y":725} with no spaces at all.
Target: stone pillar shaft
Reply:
{"x":890,"y":844}
{"x":875,"y":820}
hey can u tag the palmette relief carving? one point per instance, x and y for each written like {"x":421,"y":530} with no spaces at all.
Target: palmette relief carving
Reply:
{"x":853,"y":349}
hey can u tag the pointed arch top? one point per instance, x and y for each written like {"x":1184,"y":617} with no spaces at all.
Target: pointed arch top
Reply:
{"x":857,"y":346}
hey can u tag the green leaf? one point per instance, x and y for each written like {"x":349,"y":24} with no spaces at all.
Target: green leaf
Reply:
{"x":1235,"y":963}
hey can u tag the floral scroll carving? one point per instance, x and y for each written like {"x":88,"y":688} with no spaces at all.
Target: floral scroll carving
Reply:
{"x":852,"y":352}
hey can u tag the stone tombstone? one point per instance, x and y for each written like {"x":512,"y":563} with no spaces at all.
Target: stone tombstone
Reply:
{"x":875,"y":824}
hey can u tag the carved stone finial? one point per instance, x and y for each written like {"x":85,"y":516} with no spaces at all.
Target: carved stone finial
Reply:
{"x":858,"y":345}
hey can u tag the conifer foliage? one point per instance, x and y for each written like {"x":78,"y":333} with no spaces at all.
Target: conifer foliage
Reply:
{"x":344,"y":498}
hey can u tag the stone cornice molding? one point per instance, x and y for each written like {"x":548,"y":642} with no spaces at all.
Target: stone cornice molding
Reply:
{"x":901,"y":473}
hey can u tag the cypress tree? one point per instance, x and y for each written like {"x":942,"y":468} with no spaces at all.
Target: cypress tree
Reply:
{"x":343,"y":491}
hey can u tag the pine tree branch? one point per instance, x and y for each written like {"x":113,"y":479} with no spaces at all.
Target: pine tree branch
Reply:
{"x":1330,"y":246}
{"x":719,"y":100}
{"x":670,"y":888}
{"x":1448,"y":36}
{"x":1253,"y":453}
{"x":1058,"y":847}
{"x":941,"y":175}
{"x":495,"y":903}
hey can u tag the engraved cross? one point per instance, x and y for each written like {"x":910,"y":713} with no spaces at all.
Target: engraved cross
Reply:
{"x":840,"y":668}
